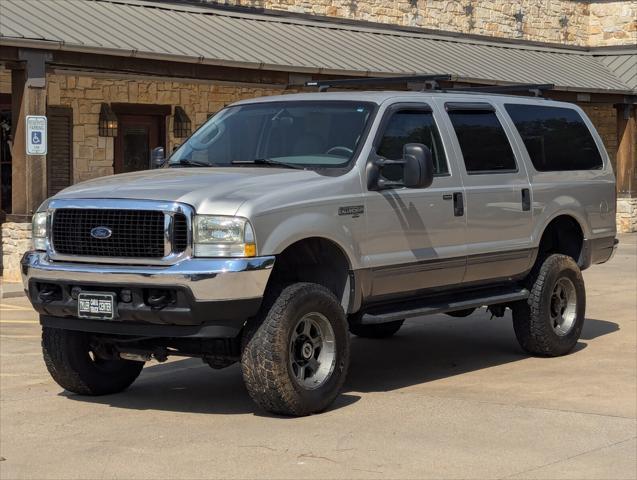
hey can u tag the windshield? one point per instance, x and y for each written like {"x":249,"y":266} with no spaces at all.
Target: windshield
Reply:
{"x":295,"y":134}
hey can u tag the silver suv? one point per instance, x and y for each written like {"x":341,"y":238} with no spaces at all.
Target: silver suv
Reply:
{"x":285,"y":223}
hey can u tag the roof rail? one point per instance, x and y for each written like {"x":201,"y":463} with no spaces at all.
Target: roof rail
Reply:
{"x":534,"y":88}
{"x":323,"y":85}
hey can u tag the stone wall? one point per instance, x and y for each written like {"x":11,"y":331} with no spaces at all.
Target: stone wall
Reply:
{"x":16,"y":239}
{"x":93,"y":155}
{"x":627,"y":215}
{"x":612,"y":23}
{"x":575,"y":22}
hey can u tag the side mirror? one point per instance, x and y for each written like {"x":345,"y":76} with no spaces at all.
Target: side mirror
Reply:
{"x":157,"y":157}
{"x":417,"y":169}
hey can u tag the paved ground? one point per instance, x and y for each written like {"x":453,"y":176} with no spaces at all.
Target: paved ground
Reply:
{"x":445,"y":398}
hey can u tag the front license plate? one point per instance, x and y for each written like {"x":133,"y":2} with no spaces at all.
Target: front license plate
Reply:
{"x":96,"y":305}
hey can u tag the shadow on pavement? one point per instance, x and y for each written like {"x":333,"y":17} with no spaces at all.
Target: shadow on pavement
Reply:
{"x":424,"y":350}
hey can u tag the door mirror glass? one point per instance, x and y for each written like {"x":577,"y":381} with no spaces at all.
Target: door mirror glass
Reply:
{"x":157,"y":157}
{"x":418,"y":168}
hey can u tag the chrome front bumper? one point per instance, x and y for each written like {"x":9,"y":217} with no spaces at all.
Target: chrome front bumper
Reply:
{"x":207,"y":279}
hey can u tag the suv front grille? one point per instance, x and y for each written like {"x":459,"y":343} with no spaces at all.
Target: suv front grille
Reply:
{"x":135,"y":233}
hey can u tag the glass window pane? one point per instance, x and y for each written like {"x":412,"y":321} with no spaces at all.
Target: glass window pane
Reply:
{"x":308,"y":133}
{"x":136,"y":149}
{"x":411,"y":126}
{"x":556,"y":138}
{"x":484,"y":144}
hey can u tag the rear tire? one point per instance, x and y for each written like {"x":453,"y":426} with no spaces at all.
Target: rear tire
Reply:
{"x":379,"y":330}
{"x":550,"y":321}
{"x":72,"y":364}
{"x":296,"y":360}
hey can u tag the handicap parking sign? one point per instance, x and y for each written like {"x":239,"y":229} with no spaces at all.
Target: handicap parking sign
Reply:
{"x":36,"y":135}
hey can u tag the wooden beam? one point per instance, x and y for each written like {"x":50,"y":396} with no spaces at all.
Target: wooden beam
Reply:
{"x":28,"y":172}
{"x":141,"y":66}
{"x":627,"y":151}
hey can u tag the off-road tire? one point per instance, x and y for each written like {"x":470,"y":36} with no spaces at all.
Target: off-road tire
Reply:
{"x":531,"y":318}
{"x":66,"y":355}
{"x":379,"y":330}
{"x":265,"y":360}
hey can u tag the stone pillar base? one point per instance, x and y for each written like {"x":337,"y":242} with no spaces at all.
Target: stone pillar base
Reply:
{"x":16,"y":239}
{"x":627,"y":215}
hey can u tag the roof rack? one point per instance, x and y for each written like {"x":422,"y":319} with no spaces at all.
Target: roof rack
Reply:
{"x":534,"y":88}
{"x":431,"y":82}
{"x":323,"y":85}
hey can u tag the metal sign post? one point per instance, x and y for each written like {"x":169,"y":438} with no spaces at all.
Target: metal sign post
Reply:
{"x":36,"y":135}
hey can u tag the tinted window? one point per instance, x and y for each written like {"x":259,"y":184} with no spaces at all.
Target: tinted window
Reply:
{"x":485,"y":147}
{"x":411,"y":126}
{"x":556,"y":138}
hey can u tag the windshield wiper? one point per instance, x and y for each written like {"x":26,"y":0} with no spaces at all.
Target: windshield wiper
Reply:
{"x":184,"y":162}
{"x":268,"y":161}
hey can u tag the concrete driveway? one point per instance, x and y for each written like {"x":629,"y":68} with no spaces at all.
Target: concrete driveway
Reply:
{"x":445,"y":398}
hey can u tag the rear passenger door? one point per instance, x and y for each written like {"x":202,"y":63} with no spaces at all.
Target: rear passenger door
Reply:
{"x":497,"y":192}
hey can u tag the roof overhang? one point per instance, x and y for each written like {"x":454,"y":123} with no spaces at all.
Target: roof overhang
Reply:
{"x":209,"y":36}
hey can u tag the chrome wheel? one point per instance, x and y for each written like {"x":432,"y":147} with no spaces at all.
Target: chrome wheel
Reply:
{"x":563,"y":306}
{"x":312,"y":351}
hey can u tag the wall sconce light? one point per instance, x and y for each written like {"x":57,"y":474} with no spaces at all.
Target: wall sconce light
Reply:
{"x":182,"y":125}
{"x":108,"y":122}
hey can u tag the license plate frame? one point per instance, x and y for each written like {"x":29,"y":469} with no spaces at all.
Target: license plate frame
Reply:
{"x":100,"y":306}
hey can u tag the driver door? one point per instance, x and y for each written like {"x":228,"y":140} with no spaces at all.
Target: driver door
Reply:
{"x":415,"y":238}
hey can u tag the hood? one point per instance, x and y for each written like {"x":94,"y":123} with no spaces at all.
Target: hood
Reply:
{"x":209,"y":190}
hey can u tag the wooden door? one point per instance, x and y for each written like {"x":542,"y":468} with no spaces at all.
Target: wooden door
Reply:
{"x":137,"y":136}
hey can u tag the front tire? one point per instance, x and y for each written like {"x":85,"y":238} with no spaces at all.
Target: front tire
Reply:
{"x":76,"y":367}
{"x":550,"y":322}
{"x":296,"y":360}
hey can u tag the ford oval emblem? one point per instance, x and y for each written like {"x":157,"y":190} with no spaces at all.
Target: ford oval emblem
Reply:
{"x":101,"y":233}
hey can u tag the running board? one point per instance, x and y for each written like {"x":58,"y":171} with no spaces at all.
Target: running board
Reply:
{"x":432,"y":305}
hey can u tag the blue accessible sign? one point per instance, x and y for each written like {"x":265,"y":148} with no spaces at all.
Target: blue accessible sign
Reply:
{"x":36,"y":135}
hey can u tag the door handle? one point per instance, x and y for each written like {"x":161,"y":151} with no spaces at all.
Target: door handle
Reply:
{"x":526,"y":200}
{"x":458,"y":204}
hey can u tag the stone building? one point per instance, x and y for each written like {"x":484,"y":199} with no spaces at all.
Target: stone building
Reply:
{"x":160,"y":68}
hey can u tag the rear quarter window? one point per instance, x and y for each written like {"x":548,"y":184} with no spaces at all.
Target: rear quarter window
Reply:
{"x":556,"y":138}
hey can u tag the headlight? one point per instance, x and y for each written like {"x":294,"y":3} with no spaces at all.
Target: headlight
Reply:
{"x":39,"y":230}
{"x":217,"y":236}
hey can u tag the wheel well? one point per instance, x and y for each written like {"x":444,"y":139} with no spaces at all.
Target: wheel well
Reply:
{"x":315,"y":260}
{"x":562,"y":235}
